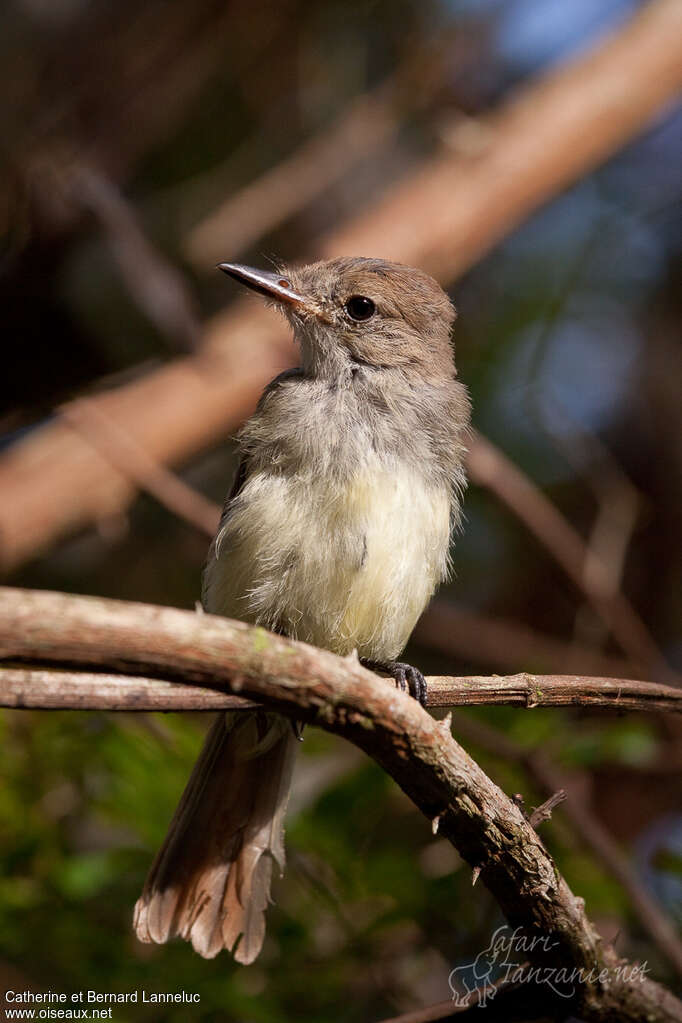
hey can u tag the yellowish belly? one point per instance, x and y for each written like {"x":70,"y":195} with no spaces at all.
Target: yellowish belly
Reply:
{"x":343,"y":567}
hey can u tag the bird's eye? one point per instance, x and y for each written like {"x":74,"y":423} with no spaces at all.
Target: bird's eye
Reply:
{"x":360,"y":308}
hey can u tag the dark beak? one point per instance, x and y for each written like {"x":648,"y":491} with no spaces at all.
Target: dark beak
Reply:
{"x":265,"y":283}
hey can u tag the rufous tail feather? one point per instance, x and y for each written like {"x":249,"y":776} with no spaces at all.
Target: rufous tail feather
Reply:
{"x":210,"y":881}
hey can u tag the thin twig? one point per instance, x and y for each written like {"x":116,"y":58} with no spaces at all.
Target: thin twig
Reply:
{"x":52,"y":689}
{"x":156,"y":286}
{"x":40,"y":688}
{"x":543,"y":812}
{"x":490,"y":468}
{"x":619,"y":505}
{"x":618,"y":500}
{"x":112,"y":441}
{"x":607,"y":545}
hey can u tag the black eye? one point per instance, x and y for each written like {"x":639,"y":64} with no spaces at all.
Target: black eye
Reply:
{"x":360,"y":308}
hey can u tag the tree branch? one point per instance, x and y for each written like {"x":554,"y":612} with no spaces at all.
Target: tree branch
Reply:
{"x":488,"y":829}
{"x":67,"y":689}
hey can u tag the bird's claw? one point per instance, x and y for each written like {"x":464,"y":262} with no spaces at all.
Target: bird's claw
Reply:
{"x":407,"y":678}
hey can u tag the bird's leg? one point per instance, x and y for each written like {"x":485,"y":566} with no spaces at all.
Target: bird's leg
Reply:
{"x":406,"y":677}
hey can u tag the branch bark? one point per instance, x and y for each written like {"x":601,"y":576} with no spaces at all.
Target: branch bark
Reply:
{"x":337,"y":694}
{"x":46,"y":688}
{"x":444,"y":218}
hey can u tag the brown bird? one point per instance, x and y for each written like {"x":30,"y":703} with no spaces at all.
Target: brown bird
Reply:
{"x":336,"y":532}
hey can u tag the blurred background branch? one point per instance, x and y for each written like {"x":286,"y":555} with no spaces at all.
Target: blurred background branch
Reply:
{"x":551,"y":134}
{"x":488,"y":467}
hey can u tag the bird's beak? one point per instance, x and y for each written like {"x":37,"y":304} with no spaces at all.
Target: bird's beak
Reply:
{"x":271,"y":285}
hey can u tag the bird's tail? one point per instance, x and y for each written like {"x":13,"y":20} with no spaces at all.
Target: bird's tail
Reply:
{"x":210,"y":882}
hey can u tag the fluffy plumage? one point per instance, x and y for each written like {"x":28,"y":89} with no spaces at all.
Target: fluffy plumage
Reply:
{"x":337,"y":533}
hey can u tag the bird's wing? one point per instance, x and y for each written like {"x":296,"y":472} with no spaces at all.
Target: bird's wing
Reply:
{"x":242,"y":472}
{"x":242,"y":469}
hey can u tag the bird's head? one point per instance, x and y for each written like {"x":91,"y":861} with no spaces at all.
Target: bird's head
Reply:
{"x":356,"y":313}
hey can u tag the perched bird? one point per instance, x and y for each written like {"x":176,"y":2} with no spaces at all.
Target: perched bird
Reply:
{"x":336,"y":531}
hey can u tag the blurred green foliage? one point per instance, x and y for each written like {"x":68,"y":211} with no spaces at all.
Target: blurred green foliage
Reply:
{"x":370,"y":902}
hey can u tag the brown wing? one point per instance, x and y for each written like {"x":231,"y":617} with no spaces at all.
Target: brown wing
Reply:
{"x":243,"y":467}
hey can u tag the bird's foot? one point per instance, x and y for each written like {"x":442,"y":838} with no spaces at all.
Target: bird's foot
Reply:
{"x":407,"y":678}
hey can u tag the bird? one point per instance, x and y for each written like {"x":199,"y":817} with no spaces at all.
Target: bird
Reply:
{"x":336,"y":532}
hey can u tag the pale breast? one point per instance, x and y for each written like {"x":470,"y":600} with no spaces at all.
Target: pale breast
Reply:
{"x":342,"y":565}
